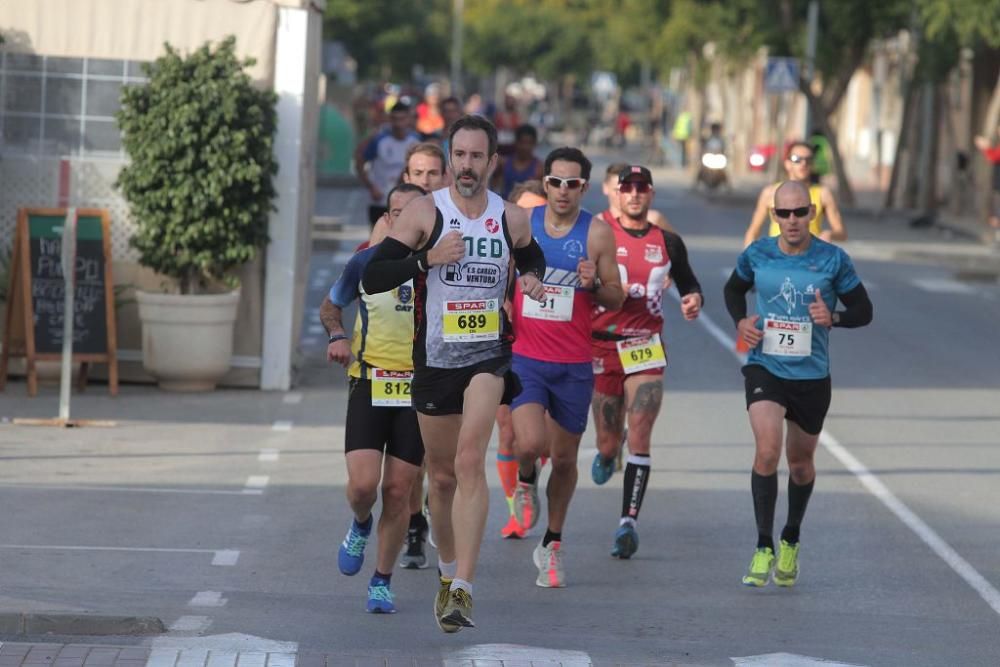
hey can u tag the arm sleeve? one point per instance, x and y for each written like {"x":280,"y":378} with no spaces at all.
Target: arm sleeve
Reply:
{"x":345,"y":290}
{"x":530,"y":259}
{"x":680,"y":267}
{"x":859,"y":310}
{"x":391,"y":265}
{"x":735,"y":294}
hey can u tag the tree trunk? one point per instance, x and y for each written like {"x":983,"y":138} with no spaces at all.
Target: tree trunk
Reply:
{"x":908,"y":103}
{"x":821,"y":117}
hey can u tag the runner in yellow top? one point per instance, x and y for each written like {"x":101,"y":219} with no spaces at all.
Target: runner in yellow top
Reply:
{"x":798,"y":166}
{"x":380,"y":420}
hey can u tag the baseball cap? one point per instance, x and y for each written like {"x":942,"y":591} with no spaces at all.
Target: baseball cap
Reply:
{"x":635,"y":172}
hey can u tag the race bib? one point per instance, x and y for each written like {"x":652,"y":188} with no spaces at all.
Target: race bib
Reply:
{"x":784,"y":338}
{"x":391,"y":388}
{"x":466,"y":321}
{"x":557,"y":307}
{"x":641,"y":354}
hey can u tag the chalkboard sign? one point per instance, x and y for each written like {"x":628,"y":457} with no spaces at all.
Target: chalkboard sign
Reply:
{"x":34,"y":322}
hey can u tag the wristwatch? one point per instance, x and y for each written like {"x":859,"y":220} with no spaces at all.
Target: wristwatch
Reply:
{"x":335,"y":337}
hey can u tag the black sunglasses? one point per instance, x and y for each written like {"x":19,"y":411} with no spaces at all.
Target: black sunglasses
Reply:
{"x":784,"y":213}
{"x":639,"y":186}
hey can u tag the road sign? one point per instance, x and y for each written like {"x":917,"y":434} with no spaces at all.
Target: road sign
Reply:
{"x":781,"y":75}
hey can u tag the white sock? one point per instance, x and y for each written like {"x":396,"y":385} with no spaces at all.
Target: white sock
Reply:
{"x":627,"y":519}
{"x":448,"y":570}
{"x":461,"y":584}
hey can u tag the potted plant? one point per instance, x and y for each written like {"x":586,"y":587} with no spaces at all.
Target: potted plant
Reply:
{"x":199,"y":136}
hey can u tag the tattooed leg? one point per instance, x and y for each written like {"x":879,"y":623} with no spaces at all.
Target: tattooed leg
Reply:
{"x":609,"y":422}
{"x":644,"y":394}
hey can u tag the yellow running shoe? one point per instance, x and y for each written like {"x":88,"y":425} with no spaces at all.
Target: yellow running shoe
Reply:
{"x":440,"y":602}
{"x":458,"y":611}
{"x":760,"y":567}
{"x":786,"y":572}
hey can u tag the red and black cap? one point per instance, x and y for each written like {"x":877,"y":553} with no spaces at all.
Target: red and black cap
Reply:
{"x":635,"y":172}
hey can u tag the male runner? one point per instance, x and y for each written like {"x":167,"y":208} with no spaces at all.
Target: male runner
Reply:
{"x":379,"y":162}
{"x":552,"y":350}
{"x":521,"y":165}
{"x":798,"y":166}
{"x":628,"y":355}
{"x":799,"y":279}
{"x":379,"y":416}
{"x":457,"y":244}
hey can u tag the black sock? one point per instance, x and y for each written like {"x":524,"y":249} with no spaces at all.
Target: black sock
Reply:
{"x":798,"y":500}
{"x":765,"y":496}
{"x":387,"y":578}
{"x":551,"y":537}
{"x":634,"y":488}
{"x":366,"y":526}
{"x":418,"y":521}
{"x":528,"y":480}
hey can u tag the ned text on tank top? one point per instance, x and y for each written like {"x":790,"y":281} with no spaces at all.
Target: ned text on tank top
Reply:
{"x":474,"y":285}
{"x":559,"y":329}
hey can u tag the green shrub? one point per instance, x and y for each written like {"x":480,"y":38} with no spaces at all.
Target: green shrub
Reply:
{"x":199,"y":136}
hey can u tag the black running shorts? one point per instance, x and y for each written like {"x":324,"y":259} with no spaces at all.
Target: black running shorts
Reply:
{"x":805,"y":401}
{"x":386,"y":429}
{"x":441,"y":391}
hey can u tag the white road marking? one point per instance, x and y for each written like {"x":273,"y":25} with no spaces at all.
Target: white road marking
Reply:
{"x":207,"y":599}
{"x":226,"y":557}
{"x":190,"y":624}
{"x":870,"y":481}
{"x":292,"y":398}
{"x":518,"y":653}
{"x":727,"y":341}
{"x":786,"y":660}
{"x":220,"y":556}
{"x":256,"y":482}
{"x":282,"y":426}
{"x":269,"y":455}
{"x":943,"y":286}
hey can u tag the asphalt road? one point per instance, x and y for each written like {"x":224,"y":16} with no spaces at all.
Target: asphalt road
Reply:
{"x":222,"y":513}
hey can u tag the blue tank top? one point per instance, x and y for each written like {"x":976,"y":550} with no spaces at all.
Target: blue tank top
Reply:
{"x":512,"y":176}
{"x":562,"y":254}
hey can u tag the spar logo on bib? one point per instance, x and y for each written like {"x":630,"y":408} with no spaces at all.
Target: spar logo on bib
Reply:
{"x":492,"y":226}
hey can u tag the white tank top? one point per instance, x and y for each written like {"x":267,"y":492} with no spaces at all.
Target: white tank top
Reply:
{"x":460,"y":317}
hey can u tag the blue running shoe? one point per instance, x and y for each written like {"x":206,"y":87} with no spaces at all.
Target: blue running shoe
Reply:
{"x":626,"y":541}
{"x":380,"y":597}
{"x":601,"y":469}
{"x":351,"y":555}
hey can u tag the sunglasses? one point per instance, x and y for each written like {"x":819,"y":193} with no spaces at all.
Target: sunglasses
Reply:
{"x":799,"y":159}
{"x":640,"y":187}
{"x":785,"y":213}
{"x":570,"y":183}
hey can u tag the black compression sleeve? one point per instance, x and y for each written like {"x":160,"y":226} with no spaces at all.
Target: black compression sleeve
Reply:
{"x":735,"y":295}
{"x":530,"y":259}
{"x":391,"y":266}
{"x":680,"y":267}
{"x":859,"y":311}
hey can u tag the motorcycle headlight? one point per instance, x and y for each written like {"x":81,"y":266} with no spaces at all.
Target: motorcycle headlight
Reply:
{"x":757,"y":160}
{"x":714,"y":161}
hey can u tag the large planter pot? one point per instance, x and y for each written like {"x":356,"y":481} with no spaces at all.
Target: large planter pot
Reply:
{"x":187,"y":340}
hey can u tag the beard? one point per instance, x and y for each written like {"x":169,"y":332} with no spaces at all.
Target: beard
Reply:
{"x":468,"y":190}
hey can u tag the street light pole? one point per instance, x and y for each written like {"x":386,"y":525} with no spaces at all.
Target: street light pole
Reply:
{"x":457,"y":21}
{"x":812,"y":22}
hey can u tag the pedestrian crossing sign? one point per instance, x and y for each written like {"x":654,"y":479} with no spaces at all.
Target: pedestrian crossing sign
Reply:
{"x":781,"y":75}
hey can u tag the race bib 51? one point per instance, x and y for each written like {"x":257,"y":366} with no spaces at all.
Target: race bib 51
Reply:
{"x":557,"y":307}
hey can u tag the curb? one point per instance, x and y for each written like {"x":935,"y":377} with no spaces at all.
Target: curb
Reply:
{"x":34,"y":624}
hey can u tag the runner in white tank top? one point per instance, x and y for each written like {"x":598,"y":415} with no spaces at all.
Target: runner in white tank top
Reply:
{"x":462,"y":352}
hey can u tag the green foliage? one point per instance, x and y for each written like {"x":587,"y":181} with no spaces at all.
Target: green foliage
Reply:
{"x":387,"y":37}
{"x":970,"y":20}
{"x":200,"y":138}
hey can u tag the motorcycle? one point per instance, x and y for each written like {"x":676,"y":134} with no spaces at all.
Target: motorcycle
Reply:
{"x":712,"y":173}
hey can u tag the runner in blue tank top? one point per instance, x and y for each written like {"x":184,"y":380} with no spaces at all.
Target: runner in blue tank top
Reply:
{"x":521,"y":165}
{"x":799,"y":279}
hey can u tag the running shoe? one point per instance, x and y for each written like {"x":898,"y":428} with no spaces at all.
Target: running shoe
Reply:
{"x":601,"y":469}
{"x":457,"y":611}
{"x":526,"y":503}
{"x":786,"y":571}
{"x":351,"y":555}
{"x":440,"y":602}
{"x":513,"y":529}
{"x":760,"y":567}
{"x":548,"y":560}
{"x":380,"y":598}
{"x":626,"y":541}
{"x":414,"y":557}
